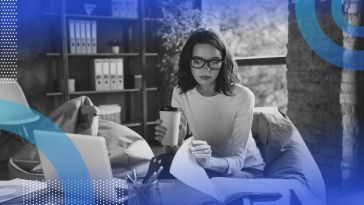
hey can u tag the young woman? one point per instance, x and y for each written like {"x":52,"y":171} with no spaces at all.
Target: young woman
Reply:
{"x":217,"y":110}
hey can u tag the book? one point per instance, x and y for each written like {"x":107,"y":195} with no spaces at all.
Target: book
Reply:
{"x":122,"y":8}
{"x":135,"y":9}
{"x":71,"y":30}
{"x":97,"y":75}
{"x":224,"y":190}
{"x":93,"y":37}
{"x":120,"y":73}
{"x":114,"y":8}
{"x":88,"y":37}
{"x":127,"y":8}
{"x":113,"y":74}
{"x":78,"y":36}
{"x":83,"y":37}
{"x":105,"y":74}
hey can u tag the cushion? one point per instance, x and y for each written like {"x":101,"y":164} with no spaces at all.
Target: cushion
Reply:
{"x":289,"y":165}
{"x":272,"y":132}
{"x":127,"y":149}
{"x":297,"y":163}
{"x":284,"y":151}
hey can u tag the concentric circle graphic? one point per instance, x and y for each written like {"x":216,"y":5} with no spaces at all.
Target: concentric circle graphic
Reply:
{"x":347,"y":27}
{"x":323,"y":46}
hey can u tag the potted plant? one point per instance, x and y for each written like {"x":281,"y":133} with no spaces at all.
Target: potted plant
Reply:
{"x":115,"y":46}
{"x":180,"y":18}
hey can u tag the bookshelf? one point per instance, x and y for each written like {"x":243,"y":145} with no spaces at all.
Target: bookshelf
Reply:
{"x":139,"y":103}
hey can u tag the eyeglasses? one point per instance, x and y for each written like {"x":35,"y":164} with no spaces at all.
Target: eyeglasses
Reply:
{"x":213,"y":64}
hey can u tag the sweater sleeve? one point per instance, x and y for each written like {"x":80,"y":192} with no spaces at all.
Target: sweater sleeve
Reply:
{"x":177,"y":102}
{"x":241,"y":132}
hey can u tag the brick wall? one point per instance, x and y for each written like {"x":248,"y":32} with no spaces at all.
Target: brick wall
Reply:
{"x":322,"y":100}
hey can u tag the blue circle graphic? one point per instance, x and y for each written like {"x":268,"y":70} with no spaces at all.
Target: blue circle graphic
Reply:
{"x":341,"y":21}
{"x":322,"y":44}
{"x":63,"y":155}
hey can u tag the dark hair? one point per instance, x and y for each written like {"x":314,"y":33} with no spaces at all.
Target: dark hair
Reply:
{"x":228,"y":73}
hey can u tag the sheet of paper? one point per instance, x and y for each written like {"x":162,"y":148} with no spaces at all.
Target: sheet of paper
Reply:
{"x":18,"y":187}
{"x":185,"y":168}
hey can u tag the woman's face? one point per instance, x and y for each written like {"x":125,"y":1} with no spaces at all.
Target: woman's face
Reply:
{"x":205,"y":64}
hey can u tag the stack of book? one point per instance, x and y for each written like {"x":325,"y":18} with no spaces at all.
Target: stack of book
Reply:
{"x":107,"y":74}
{"x":125,"y":8}
{"x":82,"y":36}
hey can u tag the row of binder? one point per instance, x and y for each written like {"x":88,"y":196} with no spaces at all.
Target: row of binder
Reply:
{"x":82,"y":35}
{"x":108,"y":74}
{"x":125,"y":8}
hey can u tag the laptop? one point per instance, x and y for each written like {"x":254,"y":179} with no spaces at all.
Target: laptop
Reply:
{"x":94,"y":153}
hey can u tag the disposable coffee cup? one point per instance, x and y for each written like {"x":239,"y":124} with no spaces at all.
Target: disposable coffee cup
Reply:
{"x":170,"y":117}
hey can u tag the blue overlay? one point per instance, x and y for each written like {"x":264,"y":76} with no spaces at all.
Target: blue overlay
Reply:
{"x":63,"y":155}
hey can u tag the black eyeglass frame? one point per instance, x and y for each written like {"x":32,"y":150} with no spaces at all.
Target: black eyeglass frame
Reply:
{"x":206,"y":61}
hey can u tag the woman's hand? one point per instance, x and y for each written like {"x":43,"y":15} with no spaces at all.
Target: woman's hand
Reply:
{"x":202,"y":152}
{"x":160,"y":131}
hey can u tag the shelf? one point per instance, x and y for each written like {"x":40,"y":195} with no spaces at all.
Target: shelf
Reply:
{"x":104,"y":91}
{"x":148,"y":19}
{"x":93,"y":92}
{"x":138,"y":124}
{"x":101,"y":55}
{"x":152,"y":123}
{"x":152,"y":89}
{"x":92,"y":17}
{"x":54,"y":94}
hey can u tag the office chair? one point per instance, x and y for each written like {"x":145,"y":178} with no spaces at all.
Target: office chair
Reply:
{"x":11,"y":91}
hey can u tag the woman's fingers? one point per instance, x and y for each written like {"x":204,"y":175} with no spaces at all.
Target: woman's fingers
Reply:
{"x":158,"y":133}
{"x":206,"y":151}
{"x":200,"y":147}
{"x":202,"y":155}
{"x":198,"y":142}
{"x":159,"y":139}
{"x":160,"y":128}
